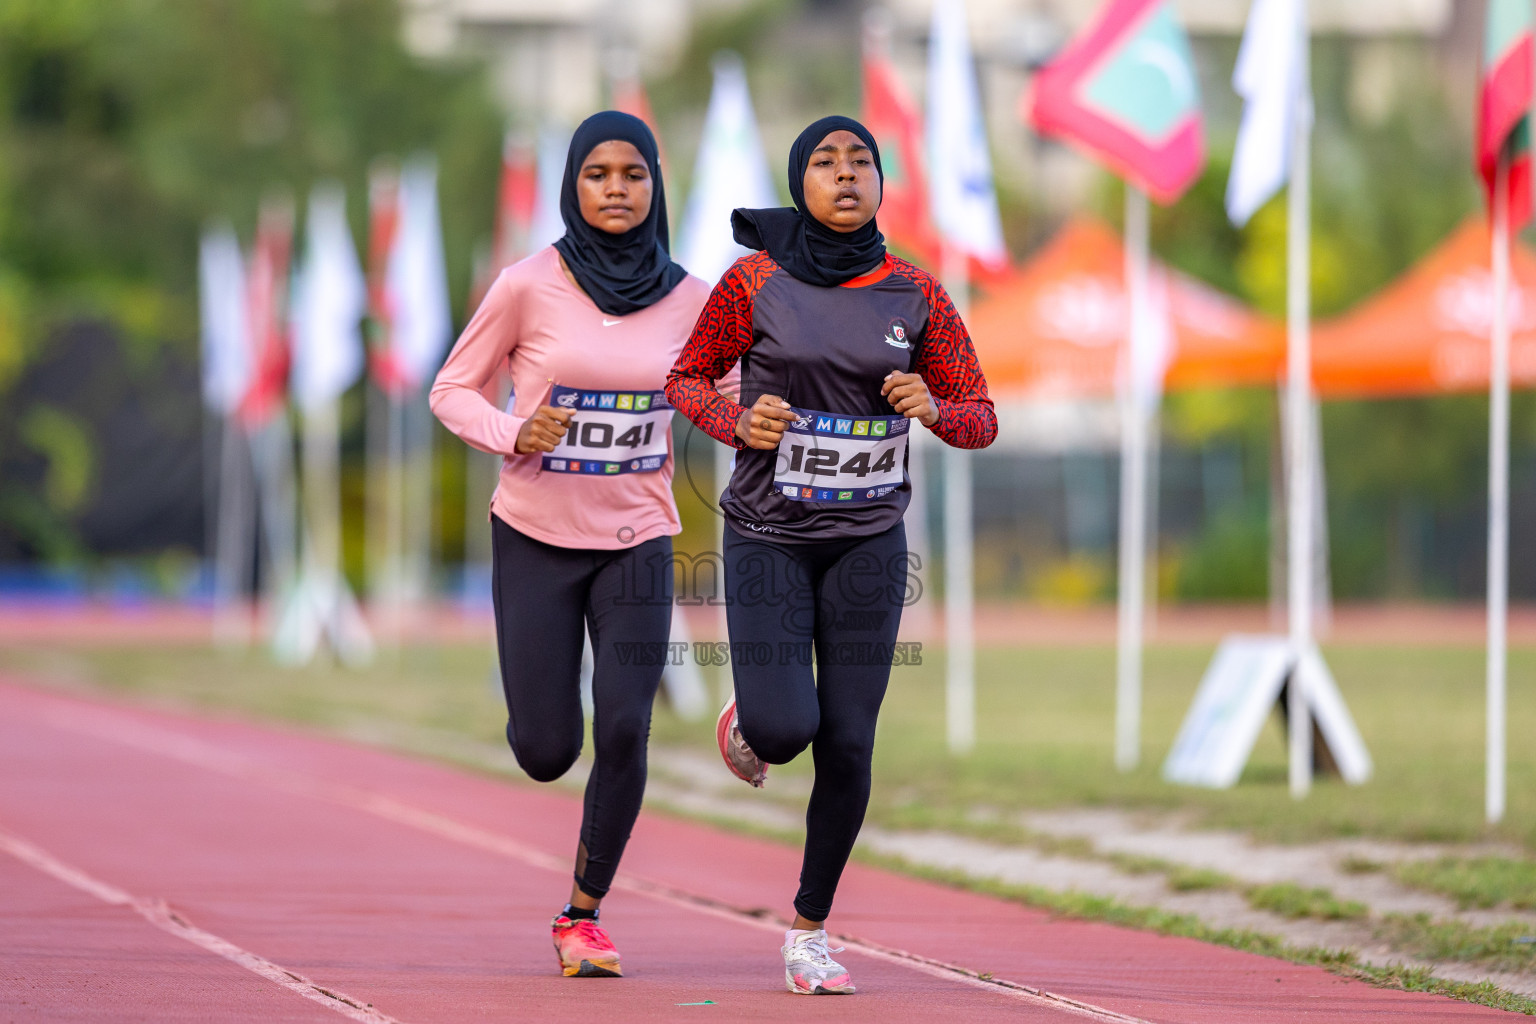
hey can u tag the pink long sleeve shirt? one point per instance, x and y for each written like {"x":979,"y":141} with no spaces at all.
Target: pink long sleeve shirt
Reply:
{"x":542,"y":331}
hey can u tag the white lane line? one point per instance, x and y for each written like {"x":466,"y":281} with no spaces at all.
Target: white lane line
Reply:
{"x":157,"y":913}
{"x":108,"y":724}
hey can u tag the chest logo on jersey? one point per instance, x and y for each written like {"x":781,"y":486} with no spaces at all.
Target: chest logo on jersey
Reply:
{"x":896,"y":335}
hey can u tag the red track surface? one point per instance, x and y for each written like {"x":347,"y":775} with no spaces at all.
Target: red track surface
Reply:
{"x":158,"y":867}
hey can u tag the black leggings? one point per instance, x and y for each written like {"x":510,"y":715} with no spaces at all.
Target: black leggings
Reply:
{"x":844,"y":599}
{"x":543,"y":595}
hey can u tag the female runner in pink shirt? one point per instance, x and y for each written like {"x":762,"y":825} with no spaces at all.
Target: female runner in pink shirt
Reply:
{"x":583,"y":515}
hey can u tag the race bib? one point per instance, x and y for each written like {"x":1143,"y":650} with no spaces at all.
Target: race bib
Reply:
{"x":825,"y":457}
{"x":612,"y":432}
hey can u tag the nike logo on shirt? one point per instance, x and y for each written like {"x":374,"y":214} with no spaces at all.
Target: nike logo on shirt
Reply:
{"x":610,"y":323}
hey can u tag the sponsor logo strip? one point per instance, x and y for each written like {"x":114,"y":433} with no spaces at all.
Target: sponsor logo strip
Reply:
{"x":608,"y":401}
{"x":649,"y":464}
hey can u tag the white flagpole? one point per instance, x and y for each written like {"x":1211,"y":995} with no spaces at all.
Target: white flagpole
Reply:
{"x":1133,"y":492}
{"x":379,"y":488}
{"x":272,"y":452}
{"x":959,"y":576}
{"x":480,"y":477}
{"x":394,"y":521}
{"x":331,"y":611}
{"x":421,"y":523}
{"x":236,"y":539}
{"x":1299,"y":422}
{"x":213,"y":428}
{"x":1498,"y":494}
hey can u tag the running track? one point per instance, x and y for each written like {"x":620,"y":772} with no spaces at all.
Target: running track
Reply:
{"x":161,"y":867}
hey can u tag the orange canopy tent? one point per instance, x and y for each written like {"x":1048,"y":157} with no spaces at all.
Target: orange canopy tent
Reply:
{"x":1428,"y":333}
{"x":1056,"y":325}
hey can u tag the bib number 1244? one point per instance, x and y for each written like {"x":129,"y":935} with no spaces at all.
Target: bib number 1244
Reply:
{"x":829,"y":462}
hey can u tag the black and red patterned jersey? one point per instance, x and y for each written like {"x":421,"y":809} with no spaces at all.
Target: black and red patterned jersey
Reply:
{"x":829,"y":350}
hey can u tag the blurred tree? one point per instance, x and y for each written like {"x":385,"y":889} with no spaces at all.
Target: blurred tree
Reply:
{"x":123,"y":128}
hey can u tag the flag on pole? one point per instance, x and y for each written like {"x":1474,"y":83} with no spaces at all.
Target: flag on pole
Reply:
{"x":1504,"y":104}
{"x":383,"y":229}
{"x":731,"y":171}
{"x":330,"y":298}
{"x":267,"y":295}
{"x":226,"y":346}
{"x":1504,"y":161}
{"x":960,"y":170}
{"x":516,"y":194}
{"x":516,"y":199}
{"x":410,"y":297}
{"x":893,"y":118}
{"x":547,"y":225}
{"x":629,"y":97}
{"x":1126,"y":90}
{"x":1271,"y":80}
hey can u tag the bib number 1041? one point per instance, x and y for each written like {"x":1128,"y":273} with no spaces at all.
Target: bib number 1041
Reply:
{"x":825,"y":462}
{"x":600,"y":435}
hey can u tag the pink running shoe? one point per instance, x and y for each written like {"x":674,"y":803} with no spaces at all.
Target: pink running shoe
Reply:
{"x":739,"y":758}
{"x":809,"y":968}
{"x":584,"y":949}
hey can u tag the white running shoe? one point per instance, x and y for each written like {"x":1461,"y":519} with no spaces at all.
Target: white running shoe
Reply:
{"x":809,"y":968}
{"x":739,"y":758}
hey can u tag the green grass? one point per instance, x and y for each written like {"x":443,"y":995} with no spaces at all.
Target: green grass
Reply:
{"x":1339,"y":961}
{"x":1474,"y":882}
{"x":1044,"y":732}
{"x":1506,"y":947}
{"x":1045,"y":739}
{"x":1183,"y":879}
{"x":1283,"y":898}
{"x":1291,"y":900}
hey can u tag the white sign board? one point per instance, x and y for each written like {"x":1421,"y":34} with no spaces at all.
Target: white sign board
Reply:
{"x":1242,"y":685}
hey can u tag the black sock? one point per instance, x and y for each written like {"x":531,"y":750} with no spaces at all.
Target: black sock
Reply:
{"x":578,"y":914}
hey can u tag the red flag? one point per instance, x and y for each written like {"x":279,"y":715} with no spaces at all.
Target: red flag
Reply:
{"x":516,"y":198}
{"x":1504,"y":104}
{"x":1126,"y":91}
{"x":629,"y":97}
{"x":893,"y":118}
{"x":897,"y":125}
{"x":515,"y":201}
{"x":383,"y":230}
{"x":267,"y":293}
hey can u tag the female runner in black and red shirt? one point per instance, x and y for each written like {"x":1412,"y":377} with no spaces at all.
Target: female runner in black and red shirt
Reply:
{"x":842,"y":347}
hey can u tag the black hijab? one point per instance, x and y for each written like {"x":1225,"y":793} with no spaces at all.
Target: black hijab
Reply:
{"x":800,"y":243}
{"x":627,"y":272}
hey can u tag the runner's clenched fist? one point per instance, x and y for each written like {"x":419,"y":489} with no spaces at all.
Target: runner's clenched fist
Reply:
{"x":542,"y":431}
{"x":908,"y":395}
{"x":764,"y":424}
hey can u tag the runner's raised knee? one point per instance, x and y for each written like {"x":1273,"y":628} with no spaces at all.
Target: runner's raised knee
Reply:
{"x":544,"y":762}
{"x":777,"y":737}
